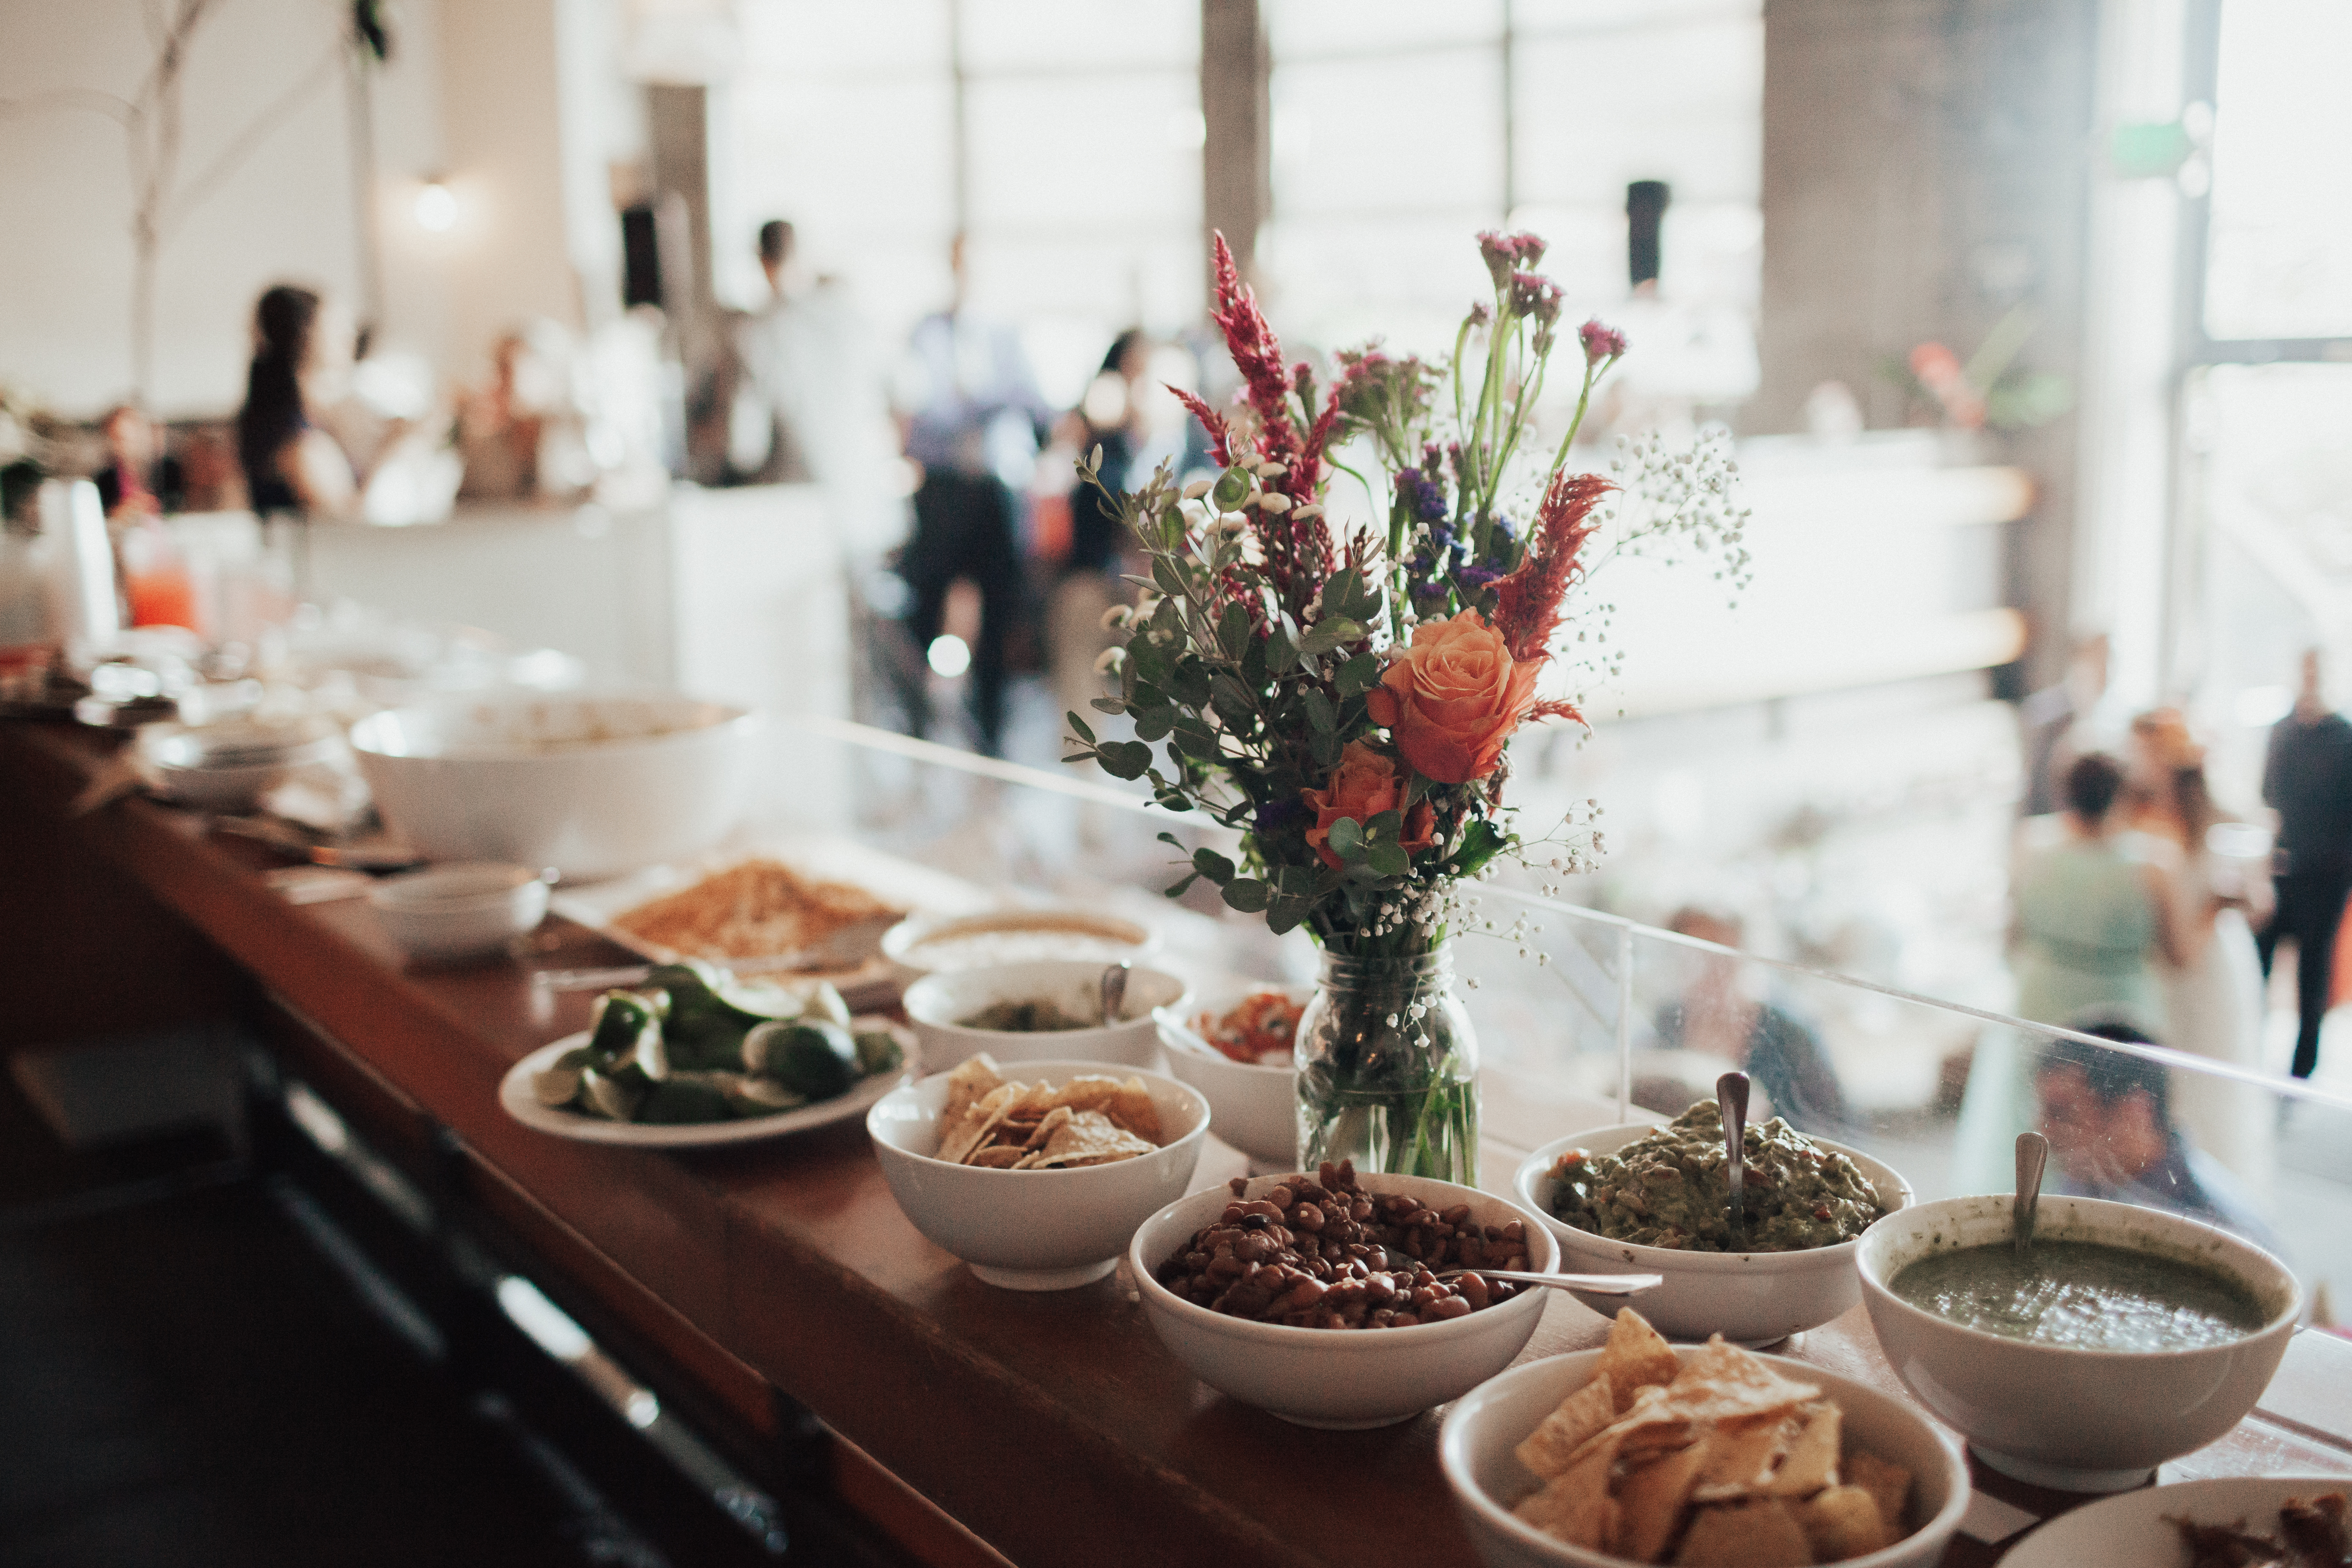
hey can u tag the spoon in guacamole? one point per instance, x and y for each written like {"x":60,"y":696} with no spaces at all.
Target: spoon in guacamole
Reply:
{"x":1731,"y":1098}
{"x":2032,"y":1155}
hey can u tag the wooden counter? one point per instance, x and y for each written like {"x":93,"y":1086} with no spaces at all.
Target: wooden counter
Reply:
{"x":1054,"y":1426}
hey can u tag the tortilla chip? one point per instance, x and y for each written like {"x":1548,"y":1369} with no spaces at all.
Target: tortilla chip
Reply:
{"x":980,"y":1120}
{"x":1046,"y":1127}
{"x":972,"y":1078}
{"x":1723,"y":1382}
{"x":1090,"y":1138}
{"x":999,"y":1158}
{"x":1650,"y":1502}
{"x":1548,"y":1450}
{"x":1028,"y":1162}
{"x":1129,"y":1104}
{"x":1636,"y":1357}
{"x":1746,"y":1535}
{"x":1841,"y":1523}
{"x":1740,"y":1459}
{"x":1812,"y":1461}
{"x":1888,"y":1484}
{"x":1575,"y":1506}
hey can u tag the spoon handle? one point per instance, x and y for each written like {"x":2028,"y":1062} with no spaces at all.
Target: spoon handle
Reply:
{"x":1731,"y":1098}
{"x":1114,"y":992}
{"x":1591,"y":1284}
{"x":2033,"y":1156}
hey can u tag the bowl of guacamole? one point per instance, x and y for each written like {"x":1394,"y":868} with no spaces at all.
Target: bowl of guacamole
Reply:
{"x":1653,"y":1197}
{"x":2129,"y":1337}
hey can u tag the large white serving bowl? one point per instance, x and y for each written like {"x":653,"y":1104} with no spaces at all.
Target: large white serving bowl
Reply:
{"x":1339,"y":1378}
{"x":1256,"y":1108}
{"x":938,"y":1003}
{"x":1474,"y":1449}
{"x":1034,"y":1230}
{"x":591,"y":785}
{"x":1750,"y":1297}
{"x":2078,"y":1420}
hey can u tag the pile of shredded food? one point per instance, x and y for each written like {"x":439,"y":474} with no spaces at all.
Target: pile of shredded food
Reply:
{"x":754,"y":909}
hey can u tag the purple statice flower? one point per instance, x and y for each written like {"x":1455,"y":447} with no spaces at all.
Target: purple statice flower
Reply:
{"x":1283,"y":811}
{"x":1422,"y":494}
{"x":1474,"y":577}
{"x":1601,"y":344}
{"x":1537,"y":296}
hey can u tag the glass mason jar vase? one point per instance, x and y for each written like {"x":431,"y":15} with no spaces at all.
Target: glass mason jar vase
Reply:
{"x":1387,"y":1070}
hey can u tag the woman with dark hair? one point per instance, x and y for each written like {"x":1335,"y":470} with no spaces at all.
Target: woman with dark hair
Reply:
{"x":2089,"y":914}
{"x":301,"y":342}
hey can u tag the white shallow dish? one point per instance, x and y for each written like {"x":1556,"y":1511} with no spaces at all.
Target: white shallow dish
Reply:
{"x":1342,"y":1379}
{"x":590,"y":785}
{"x":937,"y":1003}
{"x":1034,"y":1230}
{"x":516,"y":1098}
{"x":1017,"y":936}
{"x":1474,"y":1449}
{"x":1750,"y":1297}
{"x":461,"y":911}
{"x":1256,"y":1108}
{"x":2130,"y":1530}
{"x":2074,"y":1420}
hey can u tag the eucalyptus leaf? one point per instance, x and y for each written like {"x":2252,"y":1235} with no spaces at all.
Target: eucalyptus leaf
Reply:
{"x":1330,"y":633}
{"x":1124,"y":759}
{"x":1079,"y":726}
{"x":1320,"y":714}
{"x":1212,"y":866}
{"x":1347,"y":838}
{"x":1389,"y":859}
{"x":1153,"y":723}
{"x":1359,"y":675}
{"x":1233,"y":633}
{"x":1249,"y":896}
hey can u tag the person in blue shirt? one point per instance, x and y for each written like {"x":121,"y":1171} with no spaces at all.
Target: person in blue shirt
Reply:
{"x":2108,"y":1117}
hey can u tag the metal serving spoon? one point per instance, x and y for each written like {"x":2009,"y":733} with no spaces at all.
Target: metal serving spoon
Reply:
{"x":1114,"y":991}
{"x":2033,"y":1156}
{"x":1591,"y":1284}
{"x":1731,"y":1099}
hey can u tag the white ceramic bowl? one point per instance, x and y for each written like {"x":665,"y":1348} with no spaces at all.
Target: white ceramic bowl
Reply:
{"x":1749,"y":1298}
{"x":1034,"y":1230}
{"x":1475,"y":1449}
{"x":590,"y":785}
{"x":229,"y":766}
{"x":1256,"y":1108}
{"x":2078,"y":1420}
{"x":457,"y":911}
{"x":938,"y":1004}
{"x":920,"y":944}
{"x":1337,"y":1378}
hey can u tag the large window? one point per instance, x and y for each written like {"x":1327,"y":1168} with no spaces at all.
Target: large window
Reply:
{"x":1063,"y":136}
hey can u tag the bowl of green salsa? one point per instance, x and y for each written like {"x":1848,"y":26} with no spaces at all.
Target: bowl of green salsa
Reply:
{"x":1652,"y":1199}
{"x":2128,"y":1336}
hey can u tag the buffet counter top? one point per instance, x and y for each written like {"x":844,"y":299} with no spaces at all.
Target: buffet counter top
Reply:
{"x":1054,"y":1426}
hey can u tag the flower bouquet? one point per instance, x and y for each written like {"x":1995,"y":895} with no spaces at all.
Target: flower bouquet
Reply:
{"x":1346,"y":698}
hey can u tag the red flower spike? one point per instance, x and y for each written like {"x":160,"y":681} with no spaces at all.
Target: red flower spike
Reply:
{"x":1528,"y":602}
{"x":1220,"y":439}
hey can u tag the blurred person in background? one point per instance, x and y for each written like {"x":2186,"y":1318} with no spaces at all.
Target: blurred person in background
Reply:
{"x":500,"y":425}
{"x":2113,"y":1135}
{"x":1717,"y":1015}
{"x":2213,"y":996}
{"x":2056,"y":724}
{"x":2308,"y":778}
{"x":302,"y":348}
{"x":972,"y":419}
{"x":139,"y":473}
{"x":2091,"y":918}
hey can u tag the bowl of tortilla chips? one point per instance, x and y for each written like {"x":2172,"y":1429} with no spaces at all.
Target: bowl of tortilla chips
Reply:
{"x":1038,"y":1179}
{"x":1709,"y":1455}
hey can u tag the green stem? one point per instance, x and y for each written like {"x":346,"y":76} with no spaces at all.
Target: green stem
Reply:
{"x":1583,"y":400}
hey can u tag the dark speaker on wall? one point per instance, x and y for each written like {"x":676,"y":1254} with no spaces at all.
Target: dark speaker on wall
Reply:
{"x":641,"y":276}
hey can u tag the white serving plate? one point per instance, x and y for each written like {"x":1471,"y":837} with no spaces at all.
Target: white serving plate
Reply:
{"x":516,"y":1097}
{"x":856,"y":967}
{"x":2129,"y":1530}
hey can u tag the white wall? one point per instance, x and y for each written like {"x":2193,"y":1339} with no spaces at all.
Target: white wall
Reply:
{"x":500,"y":95}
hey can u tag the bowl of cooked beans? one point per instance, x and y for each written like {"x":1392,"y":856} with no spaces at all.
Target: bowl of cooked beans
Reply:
{"x":1318,"y":1300}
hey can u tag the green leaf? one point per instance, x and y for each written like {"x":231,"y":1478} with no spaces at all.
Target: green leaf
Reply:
{"x":1347,"y":838}
{"x":1212,"y":866}
{"x":1169,"y":577}
{"x":1188,"y":683}
{"x":1231,"y":701}
{"x":1153,"y":723}
{"x":1359,"y":675}
{"x":1124,"y":759}
{"x":1283,"y":915}
{"x":1480,"y":843}
{"x":1108,"y":705}
{"x":1079,"y":725}
{"x":1388,"y":859}
{"x":1151,"y":663}
{"x":1281,"y":653}
{"x":1328,"y":634}
{"x":1324,"y":746}
{"x":1321,"y":715}
{"x":1386,"y":827}
{"x":1178,"y":889}
{"x":1254,"y":671}
{"x":1233,"y":633}
{"x":1233,"y":488}
{"x":1247,"y":896}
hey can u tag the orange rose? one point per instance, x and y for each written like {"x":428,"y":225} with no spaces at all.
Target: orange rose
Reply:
{"x":1363,"y":785}
{"x":1454,"y":699}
